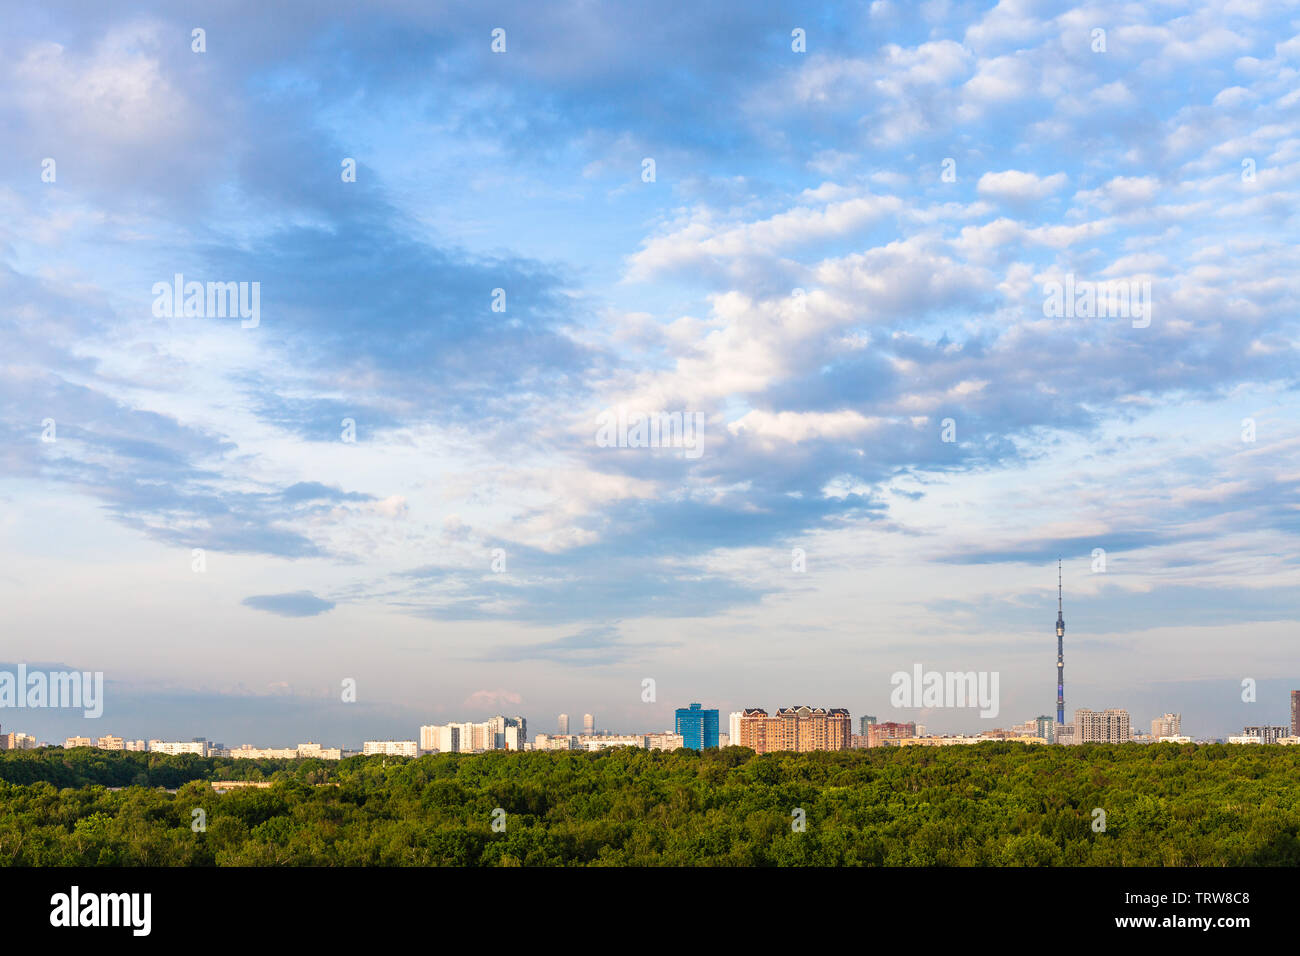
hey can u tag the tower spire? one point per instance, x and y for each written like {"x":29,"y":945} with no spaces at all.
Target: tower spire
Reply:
{"x":1060,"y":649}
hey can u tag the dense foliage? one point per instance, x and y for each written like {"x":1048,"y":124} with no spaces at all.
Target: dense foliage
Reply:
{"x":993,"y":804}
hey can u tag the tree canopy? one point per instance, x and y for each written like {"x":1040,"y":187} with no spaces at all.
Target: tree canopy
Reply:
{"x":993,"y":804}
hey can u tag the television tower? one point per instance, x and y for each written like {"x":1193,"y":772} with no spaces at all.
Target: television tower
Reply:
{"x":1060,"y":650}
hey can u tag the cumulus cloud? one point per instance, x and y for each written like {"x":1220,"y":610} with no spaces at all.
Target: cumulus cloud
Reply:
{"x":1014,"y":185}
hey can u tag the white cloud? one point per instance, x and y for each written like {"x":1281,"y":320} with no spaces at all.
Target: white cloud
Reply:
{"x":1019,"y":186}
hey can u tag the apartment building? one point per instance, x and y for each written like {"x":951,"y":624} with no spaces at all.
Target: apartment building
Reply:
{"x":797,"y":729}
{"x":959,"y":740}
{"x":495,"y":733}
{"x":391,"y":748}
{"x":302,"y":751}
{"x":1102,"y":727}
{"x":601,"y":741}
{"x":1267,"y":735}
{"x":1167,"y":725}
{"x":174,"y":747}
{"x":879,"y":733}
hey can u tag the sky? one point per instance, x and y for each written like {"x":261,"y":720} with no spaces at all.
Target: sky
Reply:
{"x":824,"y":236}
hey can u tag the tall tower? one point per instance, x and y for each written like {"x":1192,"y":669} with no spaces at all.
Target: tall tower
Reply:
{"x":564,"y":725}
{"x":1060,"y":650}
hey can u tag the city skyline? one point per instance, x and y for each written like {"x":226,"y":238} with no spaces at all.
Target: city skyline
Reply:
{"x":763,"y":355}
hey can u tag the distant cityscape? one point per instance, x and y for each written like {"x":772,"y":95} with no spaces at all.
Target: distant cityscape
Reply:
{"x":796,"y":729}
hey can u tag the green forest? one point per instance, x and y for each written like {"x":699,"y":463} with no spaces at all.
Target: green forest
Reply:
{"x":992,"y":804}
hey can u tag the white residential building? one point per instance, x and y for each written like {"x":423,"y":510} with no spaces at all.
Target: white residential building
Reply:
{"x":249,"y":752}
{"x":495,"y":733}
{"x":175,"y":747}
{"x":309,"y":749}
{"x":391,"y":748}
{"x":601,"y":741}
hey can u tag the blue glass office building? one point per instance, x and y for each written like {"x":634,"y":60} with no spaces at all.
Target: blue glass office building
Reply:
{"x":698,"y":727}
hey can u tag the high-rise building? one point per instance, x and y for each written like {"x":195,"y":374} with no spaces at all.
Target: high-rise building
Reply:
{"x":1060,"y":649}
{"x":443,"y":738}
{"x":588,"y":724}
{"x":698,"y":727}
{"x":564,"y":725}
{"x":495,"y":733}
{"x":1167,"y":725}
{"x":1045,"y":728}
{"x":1266,"y":735}
{"x":864,"y":722}
{"x":1295,"y":713}
{"x":733,"y":727}
{"x":505,"y":733}
{"x":796,"y":728}
{"x":1101,"y":727}
{"x":878,"y":733}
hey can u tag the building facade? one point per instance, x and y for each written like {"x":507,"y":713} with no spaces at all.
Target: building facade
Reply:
{"x":796,"y":729}
{"x":1266,"y":735}
{"x":878,"y":733}
{"x":174,"y":747}
{"x":959,"y":740}
{"x":391,"y":748}
{"x":495,"y":733}
{"x":1102,"y":727}
{"x":601,"y":741}
{"x":1167,"y":725}
{"x":698,"y":727}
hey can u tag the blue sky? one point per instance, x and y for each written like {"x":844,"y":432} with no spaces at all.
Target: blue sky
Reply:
{"x":799,"y":273}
